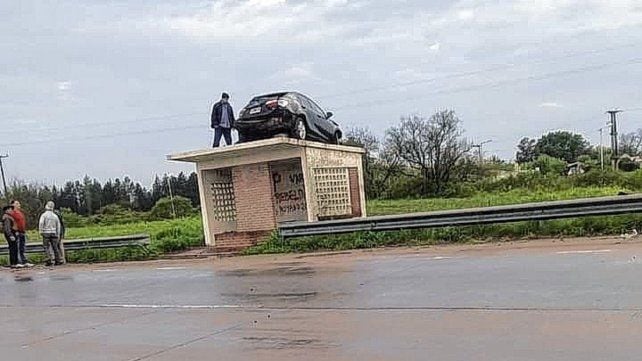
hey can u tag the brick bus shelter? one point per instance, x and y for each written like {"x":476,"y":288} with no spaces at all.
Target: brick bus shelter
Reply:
{"x":246,"y":190}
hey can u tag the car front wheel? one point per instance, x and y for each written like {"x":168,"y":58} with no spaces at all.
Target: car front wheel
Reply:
{"x":336,"y":138}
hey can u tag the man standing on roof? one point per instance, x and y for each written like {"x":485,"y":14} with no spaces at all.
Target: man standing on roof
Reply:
{"x":222,"y":120}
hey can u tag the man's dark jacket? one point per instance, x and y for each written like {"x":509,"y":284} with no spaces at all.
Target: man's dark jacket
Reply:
{"x":217,"y":110}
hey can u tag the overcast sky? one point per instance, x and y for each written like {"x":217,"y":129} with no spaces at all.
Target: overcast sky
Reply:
{"x":108,"y":88}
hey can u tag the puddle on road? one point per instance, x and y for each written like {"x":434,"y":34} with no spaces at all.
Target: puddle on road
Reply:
{"x":271,"y":343}
{"x":283,"y":295}
{"x":279,"y":271}
{"x":61,"y":278}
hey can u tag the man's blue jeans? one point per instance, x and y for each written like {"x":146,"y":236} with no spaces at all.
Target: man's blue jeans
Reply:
{"x":225,"y":132}
{"x":22,"y":240}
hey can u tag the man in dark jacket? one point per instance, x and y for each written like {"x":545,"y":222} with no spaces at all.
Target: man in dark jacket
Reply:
{"x":9,"y":229}
{"x":222,"y":120}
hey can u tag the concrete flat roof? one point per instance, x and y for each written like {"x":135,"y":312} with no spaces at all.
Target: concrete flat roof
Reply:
{"x":277,"y":143}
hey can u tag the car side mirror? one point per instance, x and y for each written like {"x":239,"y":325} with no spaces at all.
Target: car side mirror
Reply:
{"x":328,"y":115}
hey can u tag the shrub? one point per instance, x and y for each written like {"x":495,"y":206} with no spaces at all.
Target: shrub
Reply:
{"x":548,"y":165}
{"x":163,"y":209}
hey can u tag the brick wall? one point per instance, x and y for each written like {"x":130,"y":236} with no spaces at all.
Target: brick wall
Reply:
{"x":254,"y":200}
{"x":355,"y":194}
{"x":236,"y":241}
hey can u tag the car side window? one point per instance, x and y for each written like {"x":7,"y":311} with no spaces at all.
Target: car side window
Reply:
{"x":315,"y":107}
{"x":304,"y":101}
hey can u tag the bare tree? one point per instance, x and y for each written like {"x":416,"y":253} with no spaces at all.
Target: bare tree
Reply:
{"x":379,"y":164}
{"x":432,"y":146}
{"x":631,"y":143}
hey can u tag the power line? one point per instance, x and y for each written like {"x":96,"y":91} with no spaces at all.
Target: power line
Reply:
{"x":113,"y":135}
{"x":491,"y":85}
{"x":358,"y":105}
{"x":474,"y":72}
{"x":95,"y":124}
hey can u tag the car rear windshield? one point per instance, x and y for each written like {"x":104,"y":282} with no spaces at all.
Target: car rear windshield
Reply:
{"x":264,"y":98}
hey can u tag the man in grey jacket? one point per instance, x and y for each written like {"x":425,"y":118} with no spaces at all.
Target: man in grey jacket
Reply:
{"x":50,"y":230}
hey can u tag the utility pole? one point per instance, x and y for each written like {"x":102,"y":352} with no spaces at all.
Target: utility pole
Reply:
{"x":614,"y":146}
{"x":479,"y":148}
{"x":4,"y":181}
{"x":602,"y":146}
{"x":171,"y":196}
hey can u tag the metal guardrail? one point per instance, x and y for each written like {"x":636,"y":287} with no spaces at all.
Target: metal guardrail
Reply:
{"x":601,"y":206}
{"x":138,"y":240}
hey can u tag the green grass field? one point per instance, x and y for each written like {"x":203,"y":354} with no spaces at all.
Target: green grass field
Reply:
{"x":518,"y":196}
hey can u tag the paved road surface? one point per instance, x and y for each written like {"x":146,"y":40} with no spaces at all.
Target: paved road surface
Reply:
{"x":578,"y":301}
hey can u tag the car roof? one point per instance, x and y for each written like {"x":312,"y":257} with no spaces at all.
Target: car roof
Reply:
{"x":279,"y":94}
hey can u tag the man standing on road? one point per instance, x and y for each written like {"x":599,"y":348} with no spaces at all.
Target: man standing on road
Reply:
{"x":62,"y":234}
{"x":9,"y":230}
{"x":49,"y":227}
{"x":21,"y":229}
{"x":222,"y":120}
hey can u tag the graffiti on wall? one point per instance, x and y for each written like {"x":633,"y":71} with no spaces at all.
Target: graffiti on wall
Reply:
{"x":289,"y":192}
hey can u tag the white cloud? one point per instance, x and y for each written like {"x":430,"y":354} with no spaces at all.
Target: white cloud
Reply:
{"x":435,"y":46}
{"x":465,"y":14}
{"x":250,"y":19}
{"x":296,"y":74}
{"x":552,"y":105}
{"x":299,"y":71}
{"x":63,"y":86}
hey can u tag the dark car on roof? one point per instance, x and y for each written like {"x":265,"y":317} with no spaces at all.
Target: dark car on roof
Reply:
{"x":288,"y":113}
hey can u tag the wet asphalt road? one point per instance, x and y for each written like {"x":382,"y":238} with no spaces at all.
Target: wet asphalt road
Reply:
{"x":578,"y":302}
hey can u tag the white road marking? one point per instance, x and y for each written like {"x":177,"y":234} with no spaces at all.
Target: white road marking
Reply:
{"x":170,"y":268}
{"x":441,"y":257}
{"x":587,"y":251}
{"x":105,"y":270}
{"x":189,"y":307}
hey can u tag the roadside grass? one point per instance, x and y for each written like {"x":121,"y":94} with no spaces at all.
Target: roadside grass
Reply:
{"x":516,"y":196}
{"x":575,"y":227}
{"x":180,"y":234}
{"x":166,"y":236}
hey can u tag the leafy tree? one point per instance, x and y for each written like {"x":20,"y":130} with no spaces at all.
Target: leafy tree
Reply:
{"x":526,"y":150}
{"x":562,"y":145}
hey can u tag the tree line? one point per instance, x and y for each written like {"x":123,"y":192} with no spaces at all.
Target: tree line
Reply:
{"x":89,"y":196}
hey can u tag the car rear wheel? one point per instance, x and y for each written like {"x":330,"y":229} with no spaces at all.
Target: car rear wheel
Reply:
{"x":300,"y":129}
{"x":243,"y":138}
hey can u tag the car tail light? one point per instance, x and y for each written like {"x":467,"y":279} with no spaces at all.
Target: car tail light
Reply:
{"x":273,"y":104}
